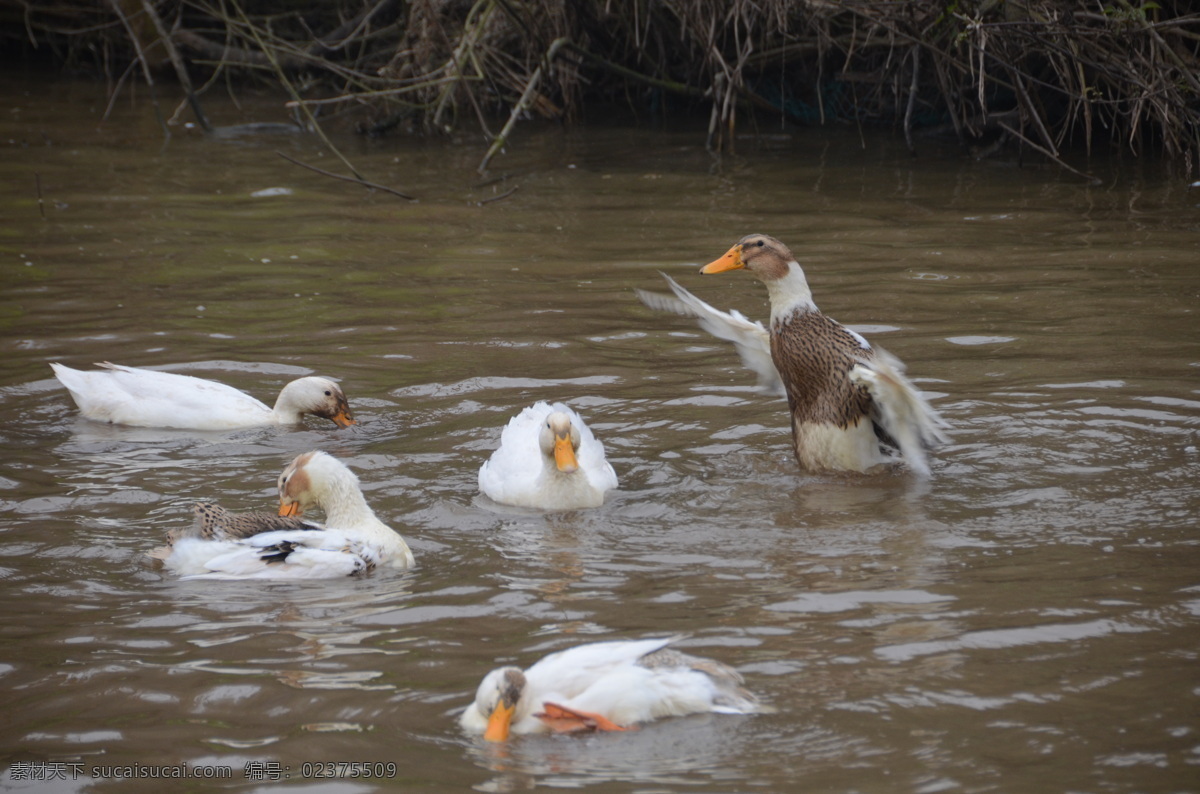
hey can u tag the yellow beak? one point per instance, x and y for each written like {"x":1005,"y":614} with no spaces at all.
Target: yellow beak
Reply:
{"x":564,"y":454}
{"x":342,"y":418}
{"x":498,"y":722}
{"x":292,"y":509}
{"x":732,"y":260}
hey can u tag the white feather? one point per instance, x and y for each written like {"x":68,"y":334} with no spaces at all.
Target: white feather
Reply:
{"x":901,"y":410}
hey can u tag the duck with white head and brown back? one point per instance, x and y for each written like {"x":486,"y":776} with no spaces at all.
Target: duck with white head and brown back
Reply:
{"x":224,"y":545}
{"x":851,"y":405}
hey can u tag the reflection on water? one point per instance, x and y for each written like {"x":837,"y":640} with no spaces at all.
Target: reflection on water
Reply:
{"x":1028,"y":615}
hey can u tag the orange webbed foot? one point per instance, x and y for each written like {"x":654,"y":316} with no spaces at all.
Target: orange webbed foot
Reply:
{"x":561,"y":719}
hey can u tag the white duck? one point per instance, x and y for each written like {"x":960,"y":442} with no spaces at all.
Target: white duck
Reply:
{"x":222,"y":545}
{"x":548,"y":459}
{"x":148,"y":398}
{"x":850,"y":402}
{"x":609,"y":686}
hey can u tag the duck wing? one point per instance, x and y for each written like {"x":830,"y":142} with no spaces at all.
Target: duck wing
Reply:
{"x":214,"y":522}
{"x":517,"y":462}
{"x":570,"y":672}
{"x":750,"y":339}
{"x":282,"y":554}
{"x":899,"y":409}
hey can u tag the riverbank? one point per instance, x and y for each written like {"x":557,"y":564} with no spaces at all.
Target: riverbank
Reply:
{"x":1037,"y":78}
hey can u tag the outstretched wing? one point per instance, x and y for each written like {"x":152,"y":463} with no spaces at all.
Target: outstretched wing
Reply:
{"x":750,"y":339}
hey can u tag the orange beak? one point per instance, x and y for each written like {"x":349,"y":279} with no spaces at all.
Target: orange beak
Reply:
{"x":499,"y":721}
{"x":342,"y":418}
{"x":564,"y":455}
{"x":292,"y":509}
{"x":732,"y":260}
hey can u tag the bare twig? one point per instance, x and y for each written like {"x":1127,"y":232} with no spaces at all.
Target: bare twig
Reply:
{"x":181,"y":71}
{"x":1012,"y":131}
{"x":521,"y":104}
{"x":355,"y":179}
{"x":141,"y":58}
{"x":500,"y":197}
{"x":912,"y":97}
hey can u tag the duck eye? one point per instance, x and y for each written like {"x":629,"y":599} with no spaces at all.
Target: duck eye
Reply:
{"x":759,"y":243}
{"x":328,"y":393}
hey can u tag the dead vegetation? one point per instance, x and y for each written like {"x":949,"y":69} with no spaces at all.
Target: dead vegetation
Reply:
{"x":1051,"y":76}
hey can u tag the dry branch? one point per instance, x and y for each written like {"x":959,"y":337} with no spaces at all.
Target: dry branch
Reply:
{"x":355,"y":179}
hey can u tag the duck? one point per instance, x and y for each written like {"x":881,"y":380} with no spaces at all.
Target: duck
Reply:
{"x":548,"y":459}
{"x":852,"y":407}
{"x":285,"y":545}
{"x":148,"y":398}
{"x":604,"y":686}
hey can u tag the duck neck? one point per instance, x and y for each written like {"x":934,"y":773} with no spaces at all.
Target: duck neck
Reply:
{"x":789,"y":294}
{"x":286,"y":410}
{"x":559,"y":480}
{"x":345,"y":506}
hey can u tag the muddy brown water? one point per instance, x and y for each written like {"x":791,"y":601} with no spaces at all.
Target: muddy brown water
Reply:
{"x":1026,"y":620}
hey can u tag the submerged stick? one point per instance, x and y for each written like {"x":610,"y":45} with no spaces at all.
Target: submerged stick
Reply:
{"x":912,"y":98}
{"x":181,"y":72}
{"x":356,"y":179}
{"x":522,"y":103}
{"x":667,"y":85}
{"x":1093,"y":180}
{"x":37,"y":179}
{"x":500,"y":197}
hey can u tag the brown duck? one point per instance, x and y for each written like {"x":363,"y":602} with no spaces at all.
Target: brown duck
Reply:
{"x":852,"y":407}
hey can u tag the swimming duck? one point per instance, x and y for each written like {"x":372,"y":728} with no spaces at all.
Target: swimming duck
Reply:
{"x":604,"y":686}
{"x":852,"y":406}
{"x":148,"y":398}
{"x":224,"y":545}
{"x":548,"y":459}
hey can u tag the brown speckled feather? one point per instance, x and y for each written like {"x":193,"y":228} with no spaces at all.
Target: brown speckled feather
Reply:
{"x":214,"y":522}
{"x":814,"y":355}
{"x":727,"y":680}
{"x":669,"y":657}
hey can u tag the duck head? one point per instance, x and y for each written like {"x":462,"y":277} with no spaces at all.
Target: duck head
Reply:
{"x":497,"y":699}
{"x":559,"y":439}
{"x":318,"y":396}
{"x":761,"y":254}
{"x":773,"y":264}
{"x":308,"y":480}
